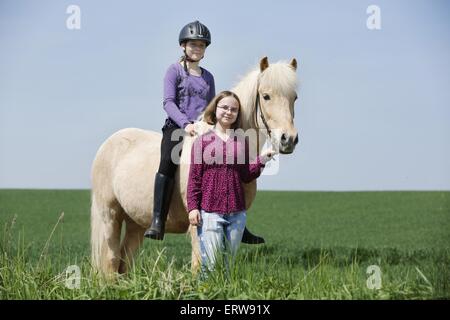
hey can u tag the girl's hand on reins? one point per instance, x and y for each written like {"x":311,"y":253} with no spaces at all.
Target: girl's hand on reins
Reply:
{"x":190,"y":129}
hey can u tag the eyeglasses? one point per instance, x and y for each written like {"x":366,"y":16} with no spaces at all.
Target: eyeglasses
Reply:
{"x":226,"y":108}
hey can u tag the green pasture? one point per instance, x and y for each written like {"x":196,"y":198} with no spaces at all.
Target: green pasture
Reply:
{"x":318,"y":246}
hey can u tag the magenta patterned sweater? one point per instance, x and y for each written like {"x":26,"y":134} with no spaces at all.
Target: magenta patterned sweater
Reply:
{"x":215,"y":181}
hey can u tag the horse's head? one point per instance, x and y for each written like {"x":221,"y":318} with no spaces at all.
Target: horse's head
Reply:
{"x":275,"y":98}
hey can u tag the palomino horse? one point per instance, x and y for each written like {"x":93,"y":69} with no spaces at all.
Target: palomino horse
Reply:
{"x":125,"y":165}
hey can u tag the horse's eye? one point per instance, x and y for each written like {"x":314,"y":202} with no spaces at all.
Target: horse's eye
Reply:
{"x":296,"y":97}
{"x":266,"y":97}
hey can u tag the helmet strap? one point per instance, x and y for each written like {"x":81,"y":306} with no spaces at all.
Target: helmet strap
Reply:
{"x":189,"y":59}
{"x":185,"y":65}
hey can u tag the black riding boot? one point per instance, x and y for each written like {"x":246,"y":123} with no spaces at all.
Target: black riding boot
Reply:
{"x":161,"y":203}
{"x":250,"y":238}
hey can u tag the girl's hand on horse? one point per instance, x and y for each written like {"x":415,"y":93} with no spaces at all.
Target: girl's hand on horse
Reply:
{"x":190,"y":128}
{"x":195,"y":217}
{"x":267,"y":155}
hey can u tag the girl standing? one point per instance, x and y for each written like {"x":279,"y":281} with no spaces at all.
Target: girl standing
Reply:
{"x":215,"y":195}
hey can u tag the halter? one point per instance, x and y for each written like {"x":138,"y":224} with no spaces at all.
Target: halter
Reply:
{"x":262,"y":117}
{"x":187,"y":58}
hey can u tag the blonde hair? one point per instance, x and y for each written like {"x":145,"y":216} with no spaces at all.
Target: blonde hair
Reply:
{"x":210,"y":111}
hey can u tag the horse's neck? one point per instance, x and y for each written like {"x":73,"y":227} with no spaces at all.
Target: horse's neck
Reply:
{"x":246,"y":91}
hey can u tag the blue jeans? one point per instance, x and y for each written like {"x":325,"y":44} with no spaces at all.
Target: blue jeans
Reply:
{"x":219,"y":233}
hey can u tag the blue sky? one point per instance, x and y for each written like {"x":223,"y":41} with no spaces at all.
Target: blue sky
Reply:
{"x":373,"y":110}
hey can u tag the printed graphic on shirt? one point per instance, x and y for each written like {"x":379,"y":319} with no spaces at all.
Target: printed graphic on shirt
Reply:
{"x":193,"y":90}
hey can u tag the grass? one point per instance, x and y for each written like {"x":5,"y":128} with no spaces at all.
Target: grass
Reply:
{"x":319,"y":246}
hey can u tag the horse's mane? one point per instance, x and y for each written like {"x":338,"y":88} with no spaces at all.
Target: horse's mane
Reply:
{"x":246,"y":91}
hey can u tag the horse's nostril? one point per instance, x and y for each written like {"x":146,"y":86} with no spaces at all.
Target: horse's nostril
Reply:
{"x":283,"y":138}
{"x":296,"y":139}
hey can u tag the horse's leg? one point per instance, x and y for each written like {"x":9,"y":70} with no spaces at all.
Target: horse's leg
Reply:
{"x":112,"y":250}
{"x":106,"y":224}
{"x":196,"y":256}
{"x":134,"y":235}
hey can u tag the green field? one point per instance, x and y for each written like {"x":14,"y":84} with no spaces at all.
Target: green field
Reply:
{"x":318,"y":246}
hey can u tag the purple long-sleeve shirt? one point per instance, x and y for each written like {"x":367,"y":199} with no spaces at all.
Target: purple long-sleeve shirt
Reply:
{"x":215,"y":180}
{"x":186,"y":96}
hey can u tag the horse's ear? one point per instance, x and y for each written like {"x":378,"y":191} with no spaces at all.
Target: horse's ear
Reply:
{"x":264,"y":64}
{"x":294,"y":63}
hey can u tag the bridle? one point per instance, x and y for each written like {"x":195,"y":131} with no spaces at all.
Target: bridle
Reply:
{"x":257,"y":103}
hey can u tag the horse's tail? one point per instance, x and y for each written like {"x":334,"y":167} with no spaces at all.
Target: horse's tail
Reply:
{"x":97,"y":235}
{"x":105,"y":210}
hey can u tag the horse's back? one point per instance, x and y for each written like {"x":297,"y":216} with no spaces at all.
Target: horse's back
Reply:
{"x":118,"y":146}
{"x":124,"y":165}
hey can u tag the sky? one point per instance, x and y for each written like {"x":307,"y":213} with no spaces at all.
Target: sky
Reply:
{"x":374,"y":104}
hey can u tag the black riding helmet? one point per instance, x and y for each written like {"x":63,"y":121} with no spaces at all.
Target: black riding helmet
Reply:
{"x":195,"y":31}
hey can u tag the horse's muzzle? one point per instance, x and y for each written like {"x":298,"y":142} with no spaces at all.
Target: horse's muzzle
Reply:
{"x":288,"y":143}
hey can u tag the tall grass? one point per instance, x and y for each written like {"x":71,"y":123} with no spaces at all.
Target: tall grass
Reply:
{"x":252,"y":275}
{"x":324,"y":245}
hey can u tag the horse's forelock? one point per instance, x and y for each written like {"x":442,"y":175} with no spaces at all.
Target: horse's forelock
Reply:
{"x":281,"y":77}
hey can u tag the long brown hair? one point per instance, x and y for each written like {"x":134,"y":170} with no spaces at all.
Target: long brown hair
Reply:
{"x":210,"y":111}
